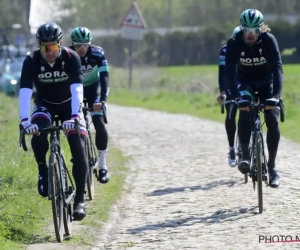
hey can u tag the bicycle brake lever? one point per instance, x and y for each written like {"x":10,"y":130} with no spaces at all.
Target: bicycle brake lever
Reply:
{"x":77,"y":126}
{"x":22,"y":140}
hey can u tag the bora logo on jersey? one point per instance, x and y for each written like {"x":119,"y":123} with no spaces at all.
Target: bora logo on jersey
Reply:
{"x":55,"y":76}
{"x":86,"y":68}
{"x":255,"y":61}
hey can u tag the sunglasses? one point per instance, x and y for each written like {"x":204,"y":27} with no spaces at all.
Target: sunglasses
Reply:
{"x":46,"y":48}
{"x":81,"y":45}
{"x":251,"y":30}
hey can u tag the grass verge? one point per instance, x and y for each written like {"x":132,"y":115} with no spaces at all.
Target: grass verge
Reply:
{"x":105,"y":196}
{"x":23,"y":213}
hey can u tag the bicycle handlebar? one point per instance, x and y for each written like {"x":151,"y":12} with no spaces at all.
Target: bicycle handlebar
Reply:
{"x":50,"y":128}
{"x":260,"y":106}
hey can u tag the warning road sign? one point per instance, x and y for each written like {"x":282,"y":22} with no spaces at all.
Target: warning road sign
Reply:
{"x":134,"y":18}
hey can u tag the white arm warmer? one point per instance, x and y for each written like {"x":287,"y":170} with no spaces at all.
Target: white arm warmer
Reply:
{"x":77,"y":97}
{"x":24,"y":103}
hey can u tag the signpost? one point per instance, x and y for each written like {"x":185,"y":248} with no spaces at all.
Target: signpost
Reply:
{"x":133,"y":27}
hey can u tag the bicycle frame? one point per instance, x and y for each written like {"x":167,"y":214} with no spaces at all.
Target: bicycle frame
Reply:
{"x":67,"y":195}
{"x":256,"y":129}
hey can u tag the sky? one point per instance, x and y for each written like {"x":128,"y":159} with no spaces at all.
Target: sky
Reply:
{"x":42,"y":11}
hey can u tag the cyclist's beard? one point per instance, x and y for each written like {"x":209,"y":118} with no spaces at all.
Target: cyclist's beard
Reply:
{"x":250,"y":39}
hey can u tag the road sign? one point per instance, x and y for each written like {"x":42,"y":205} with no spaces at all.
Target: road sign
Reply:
{"x":133,"y":26}
{"x":133,"y":23}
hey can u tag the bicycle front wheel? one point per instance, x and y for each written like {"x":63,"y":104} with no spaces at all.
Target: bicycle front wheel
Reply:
{"x":67,"y":210}
{"x":56,"y":197}
{"x":90,"y":181}
{"x":258,"y":147}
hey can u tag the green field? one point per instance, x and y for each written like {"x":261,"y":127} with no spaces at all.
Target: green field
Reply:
{"x":193,"y":90}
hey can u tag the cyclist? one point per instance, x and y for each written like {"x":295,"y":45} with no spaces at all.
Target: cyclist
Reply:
{"x":96,"y":88}
{"x":259,"y":68}
{"x":230,"y":124}
{"x":56,"y":73}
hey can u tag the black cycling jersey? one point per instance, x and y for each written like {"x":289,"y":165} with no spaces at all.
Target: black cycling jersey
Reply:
{"x":222,"y":69}
{"x":52,"y":82}
{"x":256,"y":63}
{"x":95,"y":68}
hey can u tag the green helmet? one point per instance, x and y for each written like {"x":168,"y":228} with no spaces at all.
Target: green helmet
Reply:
{"x":251,"y":19}
{"x":81,"y":35}
{"x":236,"y":30}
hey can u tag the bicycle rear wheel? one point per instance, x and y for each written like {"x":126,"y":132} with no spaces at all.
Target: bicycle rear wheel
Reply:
{"x":67,"y":210}
{"x":90,"y":181}
{"x":258,"y":148}
{"x":56,"y":197}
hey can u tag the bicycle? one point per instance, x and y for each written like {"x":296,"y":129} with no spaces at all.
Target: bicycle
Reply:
{"x":90,"y":149}
{"x":59,"y":179}
{"x":258,"y":163}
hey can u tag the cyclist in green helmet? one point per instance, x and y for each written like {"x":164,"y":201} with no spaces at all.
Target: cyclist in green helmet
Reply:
{"x":251,"y":21}
{"x":253,"y":64}
{"x":95,"y":88}
{"x":230,"y":124}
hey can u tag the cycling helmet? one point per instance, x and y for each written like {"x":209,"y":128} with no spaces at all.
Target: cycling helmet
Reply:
{"x":81,"y":35}
{"x":49,"y":32}
{"x":251,"y":18}
{"x":236,"y":30}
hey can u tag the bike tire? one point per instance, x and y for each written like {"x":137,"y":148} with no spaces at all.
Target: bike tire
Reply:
{"x":56,"y":199}
{"x":90,"y":181}
{"x":67,"y":210}
{"x":259,"y":171}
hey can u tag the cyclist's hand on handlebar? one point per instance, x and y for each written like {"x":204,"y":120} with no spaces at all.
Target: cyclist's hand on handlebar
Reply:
{"x":30,"y":128}
{"x":70,"y":124}
{"x":221,"y":98}
{"x":243,"y":104}
{"x":271,"y":103}
{"x":97,"y":107}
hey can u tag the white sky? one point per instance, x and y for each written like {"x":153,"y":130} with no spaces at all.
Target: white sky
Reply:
{"x":42,"y":11}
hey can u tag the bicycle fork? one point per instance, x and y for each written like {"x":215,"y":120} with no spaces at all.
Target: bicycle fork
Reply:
{"x":253,"y":163}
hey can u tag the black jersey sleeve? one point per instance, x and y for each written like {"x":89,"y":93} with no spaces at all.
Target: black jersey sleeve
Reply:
{"x":230,"y":69}
{"x":27,"y":74}
{"x":222,"y":69}
{"x":103,"y":69}
{"x":272,"y":48}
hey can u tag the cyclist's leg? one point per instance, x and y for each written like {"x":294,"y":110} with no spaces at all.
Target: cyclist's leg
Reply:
{"x":80,"y":163}
{"x":230,"y":126}
{"x":244,"y":128}
{"x":273,"y":135}
{"x":101,"y":137}
{"x":40,"y":145}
